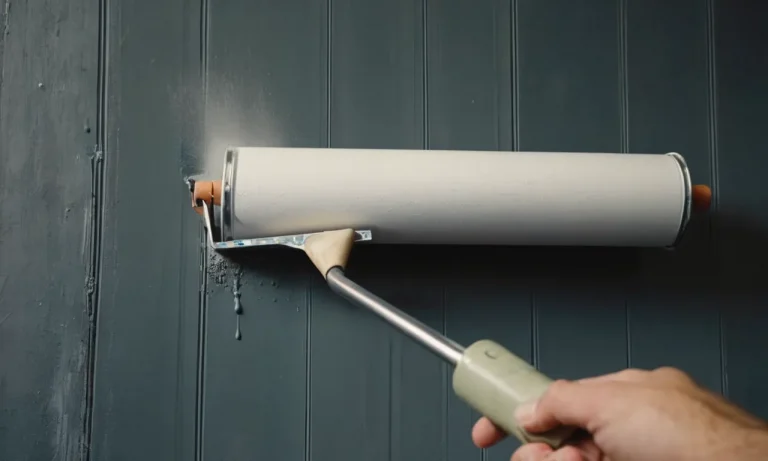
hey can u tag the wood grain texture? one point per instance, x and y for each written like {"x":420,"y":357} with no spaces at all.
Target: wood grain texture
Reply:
{"x":48,"y":68}
{"x":145,"y":395}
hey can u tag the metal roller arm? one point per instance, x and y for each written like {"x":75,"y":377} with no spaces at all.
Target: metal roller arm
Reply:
{"x":423,"y":334}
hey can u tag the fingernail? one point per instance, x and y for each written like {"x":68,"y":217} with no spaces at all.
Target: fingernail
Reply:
{"x":524,"y":412}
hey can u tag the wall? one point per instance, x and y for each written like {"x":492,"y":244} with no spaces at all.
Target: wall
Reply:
{"x":117,"y":325}
{"x":49,"y":225}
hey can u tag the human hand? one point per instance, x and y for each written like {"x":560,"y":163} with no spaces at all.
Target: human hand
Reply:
{"x":636,"y":415}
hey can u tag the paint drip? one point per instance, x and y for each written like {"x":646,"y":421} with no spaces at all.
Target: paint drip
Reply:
{"x":238,"y":305}
{"x":214,"y":117}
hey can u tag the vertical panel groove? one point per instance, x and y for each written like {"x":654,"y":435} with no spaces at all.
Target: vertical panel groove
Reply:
{"x":201,"y":334}
{"x":328,"y":88}
{"x":446,"y":382}
{"x":624,"y":114}
{"x":424,"y":76}
{"x":535,"y":359}
{"x":203,"y":294}
{"x":513,"y":62}
{"x":484,"y":452}
{"x":515,"y":103}
{"x":328,"y":71}
{"x":308,"y":378}
{"x":390,"y":400}
{"x":497,"y":87}
{"x":623,"y":76}
{"x":98,"y":193}
{"x":714,"y":170}
{"x":714,"y":158}
{"x":629,"y":333}
{"x":204,"y":8}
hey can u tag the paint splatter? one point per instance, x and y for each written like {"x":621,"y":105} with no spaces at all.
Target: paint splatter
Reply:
{"x":218,"y":267}
{"x":238,"y":304}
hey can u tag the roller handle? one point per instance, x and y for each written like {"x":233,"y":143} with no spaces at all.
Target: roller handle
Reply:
{"x":494,"y":382}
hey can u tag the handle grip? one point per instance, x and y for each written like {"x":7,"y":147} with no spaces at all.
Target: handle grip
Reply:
{"x":495,"y":382}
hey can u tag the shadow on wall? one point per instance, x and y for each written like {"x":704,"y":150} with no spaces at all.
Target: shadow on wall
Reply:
{"x":728,"y":268}
{"x":738,"y":266}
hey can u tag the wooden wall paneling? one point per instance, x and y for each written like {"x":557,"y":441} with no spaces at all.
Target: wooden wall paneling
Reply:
{"x":48,"y":226}
{"x":145,"y":384}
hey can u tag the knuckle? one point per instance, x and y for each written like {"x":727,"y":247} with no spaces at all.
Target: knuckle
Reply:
{"x":673,"y":374}
{"x":555,"y":391}
{"x":558,"y":386}
{"x":633,"y":373}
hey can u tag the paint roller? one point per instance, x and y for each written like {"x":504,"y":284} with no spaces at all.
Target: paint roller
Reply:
{"x":322,"y":201}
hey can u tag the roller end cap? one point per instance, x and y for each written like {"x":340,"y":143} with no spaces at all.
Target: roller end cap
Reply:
{"x":205,"y":192}
{"x":702,"y":197}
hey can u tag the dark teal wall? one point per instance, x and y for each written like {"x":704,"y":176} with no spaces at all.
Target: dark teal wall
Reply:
{"x":48,"y":226}
{"x":117,"y":325}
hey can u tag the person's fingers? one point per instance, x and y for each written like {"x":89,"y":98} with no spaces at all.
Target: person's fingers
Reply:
{"x":485,"y":433}
{"x":566,"y":453}
{"x":590,"y":451}
{"x":564,"y":403}
{"x":532,"y":452}
{"x":662,"y":374}
{"x":670,"y":375}
{"x":585,"y":451}
{"x":626,"y":375}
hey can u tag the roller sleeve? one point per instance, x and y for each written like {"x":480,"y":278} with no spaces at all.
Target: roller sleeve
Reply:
{"x":459,"y":197}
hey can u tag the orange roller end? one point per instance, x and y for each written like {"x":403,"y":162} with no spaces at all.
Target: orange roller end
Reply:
{"x":208,"y":192}
{"x":216,"y":192}
{"x":701,"y":197}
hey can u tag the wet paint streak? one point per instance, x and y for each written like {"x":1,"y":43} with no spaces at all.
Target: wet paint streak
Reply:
{"x":238,"y":305}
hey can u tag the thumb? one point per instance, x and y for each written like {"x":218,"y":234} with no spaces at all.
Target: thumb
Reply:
{"x":565,"y":403}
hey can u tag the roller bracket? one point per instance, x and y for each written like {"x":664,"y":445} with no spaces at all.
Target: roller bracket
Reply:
{"x":293,"y":241}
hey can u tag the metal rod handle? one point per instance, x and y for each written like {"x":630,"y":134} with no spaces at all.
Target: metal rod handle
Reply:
{"x":421,"y":333}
